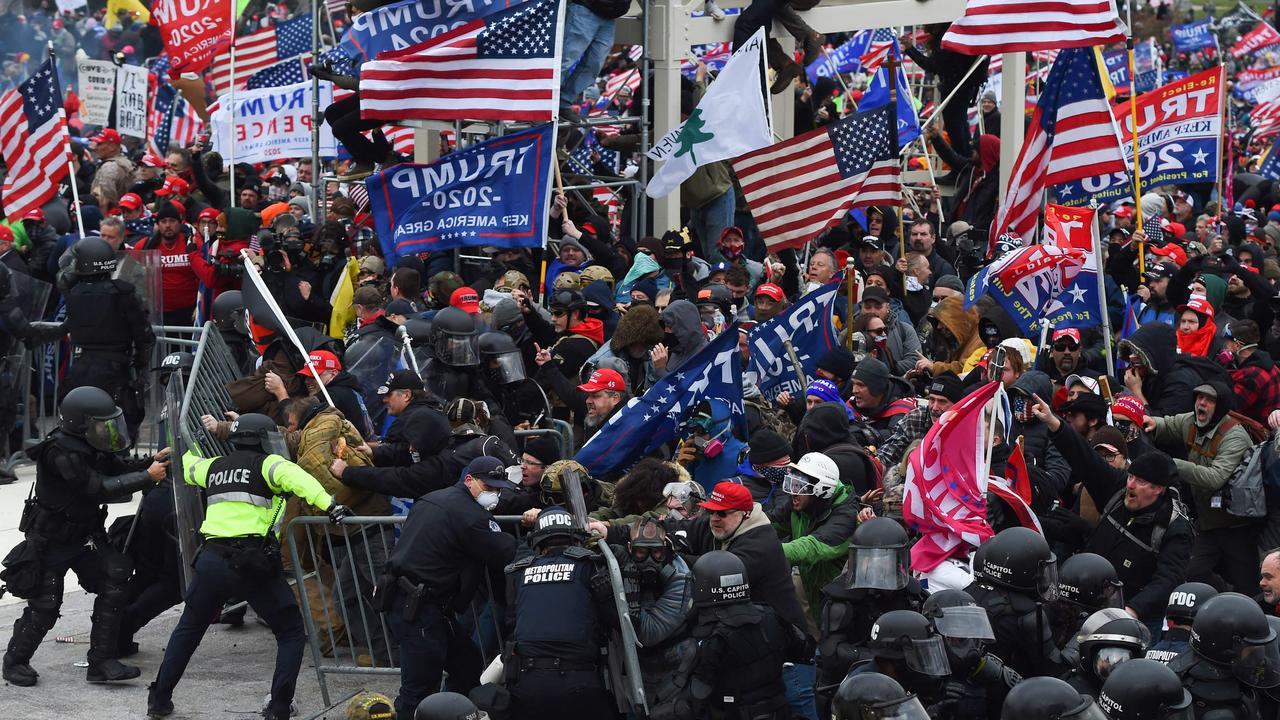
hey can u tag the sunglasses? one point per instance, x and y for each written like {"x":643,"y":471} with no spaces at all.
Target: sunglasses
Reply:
{"x":558,"y":313}
{"x":1065,"y":346}
{"x":722,"y":513}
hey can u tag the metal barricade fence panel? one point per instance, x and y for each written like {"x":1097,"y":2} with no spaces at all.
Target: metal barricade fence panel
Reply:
{"x":342,"y":619}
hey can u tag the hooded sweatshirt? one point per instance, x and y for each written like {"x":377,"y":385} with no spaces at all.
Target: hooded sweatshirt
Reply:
{"x":963,"y":326}
{"x":685,"y":326}
{"x":1167,"y":389}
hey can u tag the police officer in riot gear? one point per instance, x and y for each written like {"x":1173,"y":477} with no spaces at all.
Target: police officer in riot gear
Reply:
{"x":1014,"y":575}
{"x":904,"y":646}
{"x":979,"y":680}
{"x":79,"y":467}
{"x":1143,"y":689}
{"x":1180,"y":612}
{"x":878,"y":580}
{"x":1048,"y":698}
{"x":873,"y":695}
{"x":1087,"y":583}
{"x":502,"y":367}
{"x":453,"y":372}
{"x":1233,"y":658}
{"x":560,"y":624}
{"x":232,"y":319}
{"x":110,"y":332}
{"x":245,"y":494}
{"x":736,"y":671}
{"x":1108,"y":638}
{"x":15,"y":326}
{"x":447,"y":706}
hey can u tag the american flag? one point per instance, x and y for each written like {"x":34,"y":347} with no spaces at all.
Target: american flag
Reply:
{"x":187,"y":124}
{"x":1265,"y":118}
{"x":989,"y":27}
{"x":500,"y":67}
{"x":800,"y":187}
{"x":635,"y":52}
{"x":259,"y":50}
{"x":1072,"y":135}
{"x":629,"y":79}
{"x":288,"y":72}
{"x":877,"y":54}
{"x":171,"y":119}
{"x":33,"y":141}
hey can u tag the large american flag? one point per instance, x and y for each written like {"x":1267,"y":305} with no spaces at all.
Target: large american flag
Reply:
{"x":1072,"y":135}
{"x":500,"y":67}
{"x":989,"y":27}
{"x":33,"y":141}
{"x":259,"y":50}
{"x":287,"y":72}
{"x":802,"y":186}
{"x":171,"y":119}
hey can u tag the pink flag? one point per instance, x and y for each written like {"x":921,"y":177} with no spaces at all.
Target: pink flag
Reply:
{"x":945,"y":498}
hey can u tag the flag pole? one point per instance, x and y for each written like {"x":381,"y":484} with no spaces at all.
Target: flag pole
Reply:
{"x":66,"y":137}
{"x":315,"y":106}
{"x":849,"y":293}
{"x":555,"y":155}
{"x":1133,"y":125}
{"x":231,"y":102}
{"x":1096,"y":238}
{"x":893,"y":63}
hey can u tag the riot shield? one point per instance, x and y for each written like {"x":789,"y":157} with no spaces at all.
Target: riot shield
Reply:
{"x":188,"y":501}
{"x":624,"y":663}
{"x":30,"y":296}
{"x":370,"y":361}
{"x":142,"y":269}
{"x":571,"y":484}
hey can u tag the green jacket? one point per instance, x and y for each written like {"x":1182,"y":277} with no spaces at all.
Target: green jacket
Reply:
{"x":245,"y":519}
{"x":1205,"y":476}
{"x":816,"y":541}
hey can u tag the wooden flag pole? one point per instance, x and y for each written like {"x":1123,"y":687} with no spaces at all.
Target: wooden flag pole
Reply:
{"x":893,"y":63}
{"x":1137,"y":163}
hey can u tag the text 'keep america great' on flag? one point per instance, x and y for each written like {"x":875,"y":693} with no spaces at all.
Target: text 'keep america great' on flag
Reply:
{"x":990,"y":27}
{"x":32,"y":126}
{"x":799,"y":187}
{"x":500,"y":67}
{"x":260,"y":50}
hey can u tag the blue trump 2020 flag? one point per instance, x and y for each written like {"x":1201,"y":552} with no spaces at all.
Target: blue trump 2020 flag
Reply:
{"x":647,"y":422}
{"x":1192,"y":36}
{"x":492,"y":193}
{"x":809,"y":327}
{"x":877,"y":94}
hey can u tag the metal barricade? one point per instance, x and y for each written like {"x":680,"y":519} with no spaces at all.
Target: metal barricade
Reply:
{"x":206,"y":392}
{"x":334,"y":575}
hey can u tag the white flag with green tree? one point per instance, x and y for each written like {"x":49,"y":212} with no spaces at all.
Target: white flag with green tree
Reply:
{"x":731,"y":119}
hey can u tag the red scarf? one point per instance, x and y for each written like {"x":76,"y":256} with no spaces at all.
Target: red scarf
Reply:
{"x":1197,"y":342}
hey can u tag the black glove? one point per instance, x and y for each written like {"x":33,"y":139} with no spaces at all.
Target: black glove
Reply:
{"x":601,"y":587}
{"x":338,"y":512}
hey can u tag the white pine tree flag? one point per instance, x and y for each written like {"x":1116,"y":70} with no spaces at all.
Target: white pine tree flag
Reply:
{"x":729,"y":121}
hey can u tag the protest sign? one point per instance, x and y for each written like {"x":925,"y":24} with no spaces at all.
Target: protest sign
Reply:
{"x":131,"y":101}
{"x":97,"y":90}
{"x":1249,"y":82}
{"x":192,"y":30}
{"x":1179,"y":129}
{"x":808,"y":326}
{"x":491,"y":193}
{"x":271,"y":123}
{"x":409,"y":22}
{"x":1192,"y":36}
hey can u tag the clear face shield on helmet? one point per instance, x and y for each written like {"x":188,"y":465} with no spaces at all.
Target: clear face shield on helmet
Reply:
{"x":996,"y":363}
{"x":273,"y":443}
{"x":1047,"y":579}
{"x":1257,"y":665}
{"x":928,"y":657}
{"x":240,"y":321}
{"x":1107,"y":658}
{"x":908,"y":708}
{"x":682,"y":498}
{"x":457,"y":350}
{"x":964,"y":623}
{"x":797,"y":483}
{"x":507,"y":367}
{"x":878,"y":568}
{"x":109,"y":433}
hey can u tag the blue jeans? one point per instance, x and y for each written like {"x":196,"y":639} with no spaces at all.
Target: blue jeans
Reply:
{"x":710,"y":220}
{"x":799,"y":681}
{"x":587,"y":41}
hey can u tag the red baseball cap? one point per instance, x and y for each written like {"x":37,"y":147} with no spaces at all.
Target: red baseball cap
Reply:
{"x":107,"y":135}
{"x":1173,"y":251}
{"x":604,"y":379}
{"x":323,"y":360}
{"x":465,"y":299}
{"x":1124,"y":211}
{"x":771,"y":291}
{"x":130,"y":201}
{"x":174,"y":185}
{"x":729,"y":496}
{"x":1129,"y":408}
{"x":208,"y":214}
{"x":151,"y":159}
{"x":1200,"y":304}
{"x":6,"y":235}
{"x":1072,"y":333}
{"x":36,"y":214}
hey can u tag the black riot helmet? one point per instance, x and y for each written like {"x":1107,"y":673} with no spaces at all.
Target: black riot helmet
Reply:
{"x":907,"y":635}
{"x":1230,"y":629}
{"x":229,"y":313}
{"x":554,"y":524}
{"x":1019,"y":559}
{"x":446,"y":706}
{"x":94,"y":257}
{"x":419,"y":330}
{"x":568,"y":302}
{"x":1109,"y":638}
{"x":716,"y":296}
{"x":720,"y":578}
{"x":1185,"y":600}
{"x":1089,"y":581}
{"x":872,"y":696}
{"x":1144,"y":689}
{"x":90,"y":413}
{"x":255,"y":431}
{"x":1048,"y":698}
{"x":455,"y":337}
{"x":963,"y":625}
{"x":500,"y":357}
{"x":878,"y":555}
{"x":175,"y":362}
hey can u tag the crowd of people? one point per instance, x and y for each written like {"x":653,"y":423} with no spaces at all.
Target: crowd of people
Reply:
{"x":766,"y":565}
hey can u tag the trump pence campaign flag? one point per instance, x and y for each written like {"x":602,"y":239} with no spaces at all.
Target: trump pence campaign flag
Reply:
{"x":714,"y":372}
{"x":729,"y":120}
